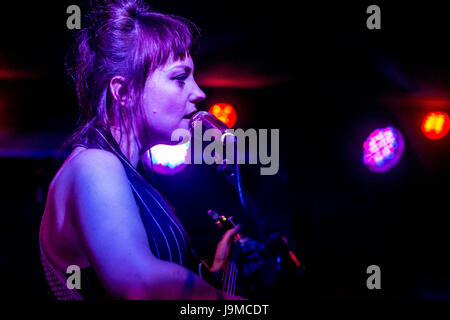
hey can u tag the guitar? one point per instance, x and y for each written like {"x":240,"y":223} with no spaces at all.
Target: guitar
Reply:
{"x":231,"y":279}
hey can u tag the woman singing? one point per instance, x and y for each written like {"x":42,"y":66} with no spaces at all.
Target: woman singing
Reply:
{"x":133,"y":72}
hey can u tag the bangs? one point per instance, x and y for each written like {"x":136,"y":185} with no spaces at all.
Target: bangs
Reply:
{"x":166,"y":37}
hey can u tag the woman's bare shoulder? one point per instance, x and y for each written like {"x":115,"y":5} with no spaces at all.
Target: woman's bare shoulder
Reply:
{"x":95,"y":159}
{"x":93,"y":198}
{"x":97,"y":170}
{"x":84,"y":169}
{"x":86,"y":163}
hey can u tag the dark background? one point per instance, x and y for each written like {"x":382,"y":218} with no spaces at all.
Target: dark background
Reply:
{"x":335,"y":82}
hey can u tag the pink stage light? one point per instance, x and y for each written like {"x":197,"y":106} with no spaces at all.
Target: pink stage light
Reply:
{"x":383,"y":149}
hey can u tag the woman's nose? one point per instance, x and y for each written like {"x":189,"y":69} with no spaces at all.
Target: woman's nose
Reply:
{"x":198,"y":95}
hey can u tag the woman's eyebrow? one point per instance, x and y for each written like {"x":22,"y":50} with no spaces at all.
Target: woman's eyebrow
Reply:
{"x":187,"y":69}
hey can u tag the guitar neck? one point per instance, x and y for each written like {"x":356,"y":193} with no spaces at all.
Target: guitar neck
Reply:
{"x":230,"y":279}
{"x":231,"y":270}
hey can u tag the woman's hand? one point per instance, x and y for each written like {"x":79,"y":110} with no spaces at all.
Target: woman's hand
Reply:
{"x":222,"y":249}
{"x":258,"y":267}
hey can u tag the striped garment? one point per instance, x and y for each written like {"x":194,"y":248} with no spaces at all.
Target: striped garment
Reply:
{"x":167,"y":239}
{"x":57,"y":281}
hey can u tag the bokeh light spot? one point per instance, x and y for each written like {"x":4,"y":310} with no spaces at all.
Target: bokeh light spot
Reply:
{"x":224,"y":112}
{"x":382,"y":149}
{"x":435,"y":125}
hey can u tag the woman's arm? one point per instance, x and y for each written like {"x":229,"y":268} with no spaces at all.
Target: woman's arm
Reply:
{"x":114,"y":239}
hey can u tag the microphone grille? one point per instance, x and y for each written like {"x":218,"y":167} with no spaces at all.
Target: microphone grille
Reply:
{"x":208,"y":120}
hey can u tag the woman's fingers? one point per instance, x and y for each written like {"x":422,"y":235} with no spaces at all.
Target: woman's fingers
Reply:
{"x":222,"y":248}
{"x":228,"y":236}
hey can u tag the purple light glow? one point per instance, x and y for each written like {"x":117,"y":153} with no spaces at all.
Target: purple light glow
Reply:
{"x":383,"y":149}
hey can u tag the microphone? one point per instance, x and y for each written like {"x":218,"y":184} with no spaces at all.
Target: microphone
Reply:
{"x":209,"y":121}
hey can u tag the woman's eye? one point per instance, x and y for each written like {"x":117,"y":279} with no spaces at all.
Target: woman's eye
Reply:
{"x":181,"y":78}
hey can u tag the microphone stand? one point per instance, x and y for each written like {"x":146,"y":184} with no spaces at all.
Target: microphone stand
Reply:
{"x":273,"y":238}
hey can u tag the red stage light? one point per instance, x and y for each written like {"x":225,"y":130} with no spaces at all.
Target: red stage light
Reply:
{"x":436,"y":125}
{"x":224,"y":112}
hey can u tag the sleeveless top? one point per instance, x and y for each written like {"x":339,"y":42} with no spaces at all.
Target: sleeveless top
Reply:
{"x":166,"y":236}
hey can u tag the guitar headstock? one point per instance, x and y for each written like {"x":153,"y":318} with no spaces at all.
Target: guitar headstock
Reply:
{"x":223,"y":222}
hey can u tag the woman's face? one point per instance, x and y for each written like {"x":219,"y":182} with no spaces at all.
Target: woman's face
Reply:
{"x":170,"y":94}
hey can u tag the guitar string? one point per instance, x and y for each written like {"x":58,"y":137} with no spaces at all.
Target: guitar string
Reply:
{"x":226,"y":283}
{"x":231,"y":272}
{"x":235,"y":267}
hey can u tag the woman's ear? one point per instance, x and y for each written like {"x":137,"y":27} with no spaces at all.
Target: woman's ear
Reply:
{"x":119,"y":90}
